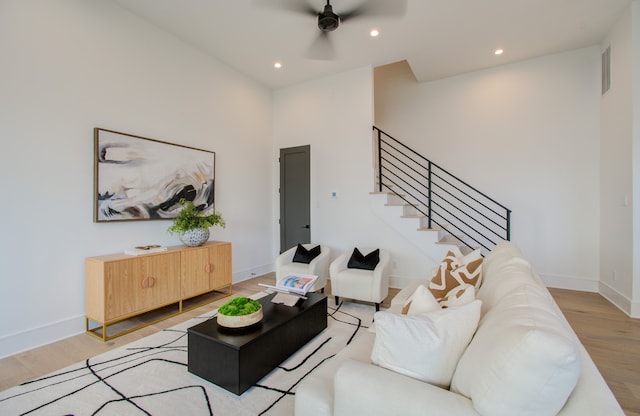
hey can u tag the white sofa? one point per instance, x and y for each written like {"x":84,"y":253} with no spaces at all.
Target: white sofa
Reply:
{"x":507,"y":368}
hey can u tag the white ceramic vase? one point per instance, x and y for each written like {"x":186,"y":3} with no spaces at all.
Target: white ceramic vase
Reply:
{"x":195,"y":237}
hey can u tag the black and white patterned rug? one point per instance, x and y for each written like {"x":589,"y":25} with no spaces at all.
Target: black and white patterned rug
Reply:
{"x":150,"y":377}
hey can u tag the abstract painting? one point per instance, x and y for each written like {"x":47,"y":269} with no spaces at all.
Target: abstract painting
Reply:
{"x":144,"y":179}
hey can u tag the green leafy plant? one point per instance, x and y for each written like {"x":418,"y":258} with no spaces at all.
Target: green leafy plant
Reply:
{"x":239,"y":306}
{"x":190,"y":217}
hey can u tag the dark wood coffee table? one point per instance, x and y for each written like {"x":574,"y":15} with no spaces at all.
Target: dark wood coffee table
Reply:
{"x":235,"y":359}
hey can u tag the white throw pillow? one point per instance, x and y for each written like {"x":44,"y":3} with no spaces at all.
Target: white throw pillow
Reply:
{"x":421,"y":301}
{"x":427,"y":346}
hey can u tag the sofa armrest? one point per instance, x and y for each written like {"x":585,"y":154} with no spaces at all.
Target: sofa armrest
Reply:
{"x":361,"y":388}
{"x":339,"y":264}
{"x":320,"y":266}
{"x":284,"y":259}
{"x":321,"y":262}
{"x":401,"y":297}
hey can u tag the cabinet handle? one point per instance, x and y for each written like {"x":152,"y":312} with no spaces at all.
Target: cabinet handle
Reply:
{"x":148,"y":282}
{"x":209,"y":268}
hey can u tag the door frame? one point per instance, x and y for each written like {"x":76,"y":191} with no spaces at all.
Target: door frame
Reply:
{"x":305,"y":150}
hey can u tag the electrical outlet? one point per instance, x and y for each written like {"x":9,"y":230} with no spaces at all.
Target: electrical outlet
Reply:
{"x":614,"y":275}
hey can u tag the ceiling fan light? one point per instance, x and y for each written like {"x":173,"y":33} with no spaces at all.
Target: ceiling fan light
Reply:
{"x":328,"y":21}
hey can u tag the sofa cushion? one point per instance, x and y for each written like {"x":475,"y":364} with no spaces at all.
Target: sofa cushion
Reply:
{"x":522,"y":360}
{"x":360,"y":261}
{"x":510,"y":277}
{"x":503,"y":254}
{"x":427,"y":346}
{"x":451,"y":273}
{"x":304,"y":255}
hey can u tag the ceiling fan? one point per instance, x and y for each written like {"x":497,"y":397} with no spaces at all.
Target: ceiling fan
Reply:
{"x":328,"y":20}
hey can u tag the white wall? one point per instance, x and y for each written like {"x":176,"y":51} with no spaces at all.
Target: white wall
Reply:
{"x":635,"y":36}
{"x":334,"y":116}
{"x":69,"y":66}
{"x":526,"y":134}
{"x":617,"y":166}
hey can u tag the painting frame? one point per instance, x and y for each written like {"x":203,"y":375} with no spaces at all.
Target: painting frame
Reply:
{"x":138,"y":179}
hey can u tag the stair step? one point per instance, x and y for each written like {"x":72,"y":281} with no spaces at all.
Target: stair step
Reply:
{"x":466,"y":250}
{"x":402,"y":216}
{"x":427,"y":229}
{"x":449,"y":239}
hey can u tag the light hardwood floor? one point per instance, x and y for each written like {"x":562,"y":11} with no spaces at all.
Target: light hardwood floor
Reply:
{"x":610,"y":336}
{"x":612,"y":340}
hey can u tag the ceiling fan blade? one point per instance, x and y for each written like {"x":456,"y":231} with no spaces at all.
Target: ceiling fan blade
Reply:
{"x":321,"y":48}
{"x":383,"y":8}
{"x":297,"y":6}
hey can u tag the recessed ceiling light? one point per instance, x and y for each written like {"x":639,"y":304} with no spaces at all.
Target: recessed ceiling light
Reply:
{"x":498,"y":52}
{"x":277,"y":65}
{"x":374,"y":33}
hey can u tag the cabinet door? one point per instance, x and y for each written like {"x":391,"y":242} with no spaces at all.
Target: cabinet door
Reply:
{"x":196,"y":267}
{"x":161,"y":279}
{"x":221,"y":258}
{"x":139,"y":284}
{"x":205,"y":269}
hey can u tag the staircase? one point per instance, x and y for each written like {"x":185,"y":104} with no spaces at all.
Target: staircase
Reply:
{"x":429,"y":206}
{"x":406,"y":220}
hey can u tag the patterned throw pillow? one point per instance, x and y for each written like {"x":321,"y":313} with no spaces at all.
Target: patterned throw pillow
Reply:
{"x":452,"y":273}
{"x":458,"y":296}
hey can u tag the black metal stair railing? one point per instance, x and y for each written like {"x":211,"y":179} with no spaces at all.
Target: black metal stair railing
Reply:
{"x":469,"y":216}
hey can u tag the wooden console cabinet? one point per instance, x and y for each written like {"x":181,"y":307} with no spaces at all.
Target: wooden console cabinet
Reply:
{"x":120,"y":286}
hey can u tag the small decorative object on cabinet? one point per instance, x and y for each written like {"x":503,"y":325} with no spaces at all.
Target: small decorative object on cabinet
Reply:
{"x":119,"y":286}
{"x":193,"y":225}
{"x":195,"y":237}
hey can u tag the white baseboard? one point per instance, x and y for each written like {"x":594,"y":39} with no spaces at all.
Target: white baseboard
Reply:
{"x":36,"y":337}
{"x":582,"y":284}
{"x":622,"y":302}
{"x":55,"y":331}
{"x":251,"y":273}
{"x":591,"y":285}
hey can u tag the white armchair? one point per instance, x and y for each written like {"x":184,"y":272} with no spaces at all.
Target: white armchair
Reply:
{"x":318,"y":266}
{"x":364,"y":285}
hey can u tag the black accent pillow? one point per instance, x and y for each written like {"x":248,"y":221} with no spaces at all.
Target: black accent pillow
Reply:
{"x":368,"y":262}
{"x":305,"y":256}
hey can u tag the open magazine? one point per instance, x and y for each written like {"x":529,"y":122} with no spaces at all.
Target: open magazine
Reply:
{"x":297,"y":283}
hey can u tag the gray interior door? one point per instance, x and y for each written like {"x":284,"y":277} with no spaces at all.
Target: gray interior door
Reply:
{"x":295,"y":197}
